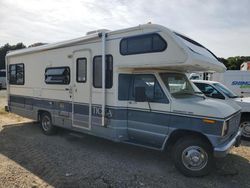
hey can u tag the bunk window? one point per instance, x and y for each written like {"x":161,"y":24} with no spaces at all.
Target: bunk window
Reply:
{"x":81,"y":70}
{"x":97,"y":72}
{"x":142,"y":44}
{"x":57,"y":75}
{"x":16,"y":74}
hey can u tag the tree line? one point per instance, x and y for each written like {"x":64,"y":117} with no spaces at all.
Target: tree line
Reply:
{"x":232,"y":63}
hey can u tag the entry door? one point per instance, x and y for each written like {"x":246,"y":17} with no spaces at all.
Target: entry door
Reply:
{"x":81,"y":89}
{"x":148,"y":121}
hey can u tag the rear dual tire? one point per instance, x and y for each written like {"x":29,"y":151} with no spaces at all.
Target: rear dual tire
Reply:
{"x":193,"y":156}
{"x":46,"y":124}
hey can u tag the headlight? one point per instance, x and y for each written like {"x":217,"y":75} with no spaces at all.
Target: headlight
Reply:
{"x":225,"y":128}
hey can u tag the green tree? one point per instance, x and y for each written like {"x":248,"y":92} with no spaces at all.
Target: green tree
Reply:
{"x":233,"y":63}
{"x":7,"y":47}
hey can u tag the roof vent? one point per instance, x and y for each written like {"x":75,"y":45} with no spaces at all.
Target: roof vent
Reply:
{"x":97,"y":31}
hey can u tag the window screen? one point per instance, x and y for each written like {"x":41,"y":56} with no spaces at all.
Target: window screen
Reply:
{"x":97,"y":72}
{"x":81,"y":70}
{"x":57,"y":75}
{"x":16,"y":72}
{"x":142,"y":44}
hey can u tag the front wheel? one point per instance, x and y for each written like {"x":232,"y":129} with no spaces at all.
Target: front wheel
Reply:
{"x":245,"y":124}
{"x":46,"y":124}
{"x":193,"y":156}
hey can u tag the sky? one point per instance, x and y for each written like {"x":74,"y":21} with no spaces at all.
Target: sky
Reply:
{"x":223,"y":26}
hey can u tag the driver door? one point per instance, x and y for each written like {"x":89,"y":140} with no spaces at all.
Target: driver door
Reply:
{"x":148,"y":121}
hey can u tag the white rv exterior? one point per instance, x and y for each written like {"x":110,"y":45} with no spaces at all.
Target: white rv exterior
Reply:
{"x":148,"y":101}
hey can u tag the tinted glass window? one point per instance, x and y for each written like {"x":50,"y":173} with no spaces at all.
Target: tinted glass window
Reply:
{"x":97,"y":69}
{"x":225,"y":90}
{"x":81,"y":70}
{"x":209,"y":90}
{"x":124,"y":86}
{"x":142,"y":44}
{"x":153,"y":90}
{"x":57,"y":75}
{"x":2,"y":74}
{"x":16,"y":72}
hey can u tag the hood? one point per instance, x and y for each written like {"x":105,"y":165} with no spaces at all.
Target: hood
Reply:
{"x":205,"y":107}
{"x":244,"y":103}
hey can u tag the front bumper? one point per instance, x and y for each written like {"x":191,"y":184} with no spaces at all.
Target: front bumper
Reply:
{"x":222,"y":150}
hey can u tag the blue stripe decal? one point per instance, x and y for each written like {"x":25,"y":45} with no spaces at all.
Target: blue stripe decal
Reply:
{"x":144,"y":119}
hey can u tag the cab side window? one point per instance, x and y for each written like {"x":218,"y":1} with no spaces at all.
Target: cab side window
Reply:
{"x":128,"y":82}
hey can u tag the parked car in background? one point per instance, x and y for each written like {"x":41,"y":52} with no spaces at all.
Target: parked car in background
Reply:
{"x":2,"y":79}
{"x":219,"y":91}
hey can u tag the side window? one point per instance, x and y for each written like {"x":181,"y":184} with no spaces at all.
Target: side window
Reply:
{"x":57,"y":75}
{"x":81,"y":70}
{"x":2,"y":74}
{"x":97,"y":71}
{"x":147,"y":43}
{"x":209,"y":91}
{"x":16,"y":72}
{"x":153,"y":90}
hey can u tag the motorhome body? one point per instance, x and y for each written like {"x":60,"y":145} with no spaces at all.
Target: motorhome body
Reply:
{"x":138,"y":95}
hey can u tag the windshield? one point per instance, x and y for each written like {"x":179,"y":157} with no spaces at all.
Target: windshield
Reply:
{"x":178,"y":85}
{"x":225,"y":90}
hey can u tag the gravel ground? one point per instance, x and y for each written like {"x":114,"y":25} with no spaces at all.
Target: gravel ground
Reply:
{"x":30,"y":159}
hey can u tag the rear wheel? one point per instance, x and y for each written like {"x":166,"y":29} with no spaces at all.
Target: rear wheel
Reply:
{"x":193,"y":156}
{"x":245,"y":124}
{"x":46,"y":124}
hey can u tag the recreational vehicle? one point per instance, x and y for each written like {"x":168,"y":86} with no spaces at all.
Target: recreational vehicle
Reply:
{"x":128,"y":86}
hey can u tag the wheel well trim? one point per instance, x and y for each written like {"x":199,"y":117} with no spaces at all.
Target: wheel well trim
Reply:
{"x":169,"y":137}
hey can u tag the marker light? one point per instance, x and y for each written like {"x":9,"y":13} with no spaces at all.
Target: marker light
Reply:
{"x":209,"y":121}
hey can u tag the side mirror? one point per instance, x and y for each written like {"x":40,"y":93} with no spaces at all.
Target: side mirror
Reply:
{"x":140,"y":94}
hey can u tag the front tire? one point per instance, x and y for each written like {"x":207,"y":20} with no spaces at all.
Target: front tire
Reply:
{"x":193,"y":156}
{"x":245,"y":124}
{"x":46,"y":123}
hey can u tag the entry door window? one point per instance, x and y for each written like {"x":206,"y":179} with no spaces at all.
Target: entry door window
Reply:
{"x":81,"y":70}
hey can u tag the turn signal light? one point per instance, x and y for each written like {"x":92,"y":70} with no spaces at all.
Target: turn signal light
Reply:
{"x":209,"y":121}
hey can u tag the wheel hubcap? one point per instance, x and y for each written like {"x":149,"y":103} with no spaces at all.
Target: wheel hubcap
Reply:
{"x":194,"y":158}
{"x":245,"y":128}
{"x":46,"y":124}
